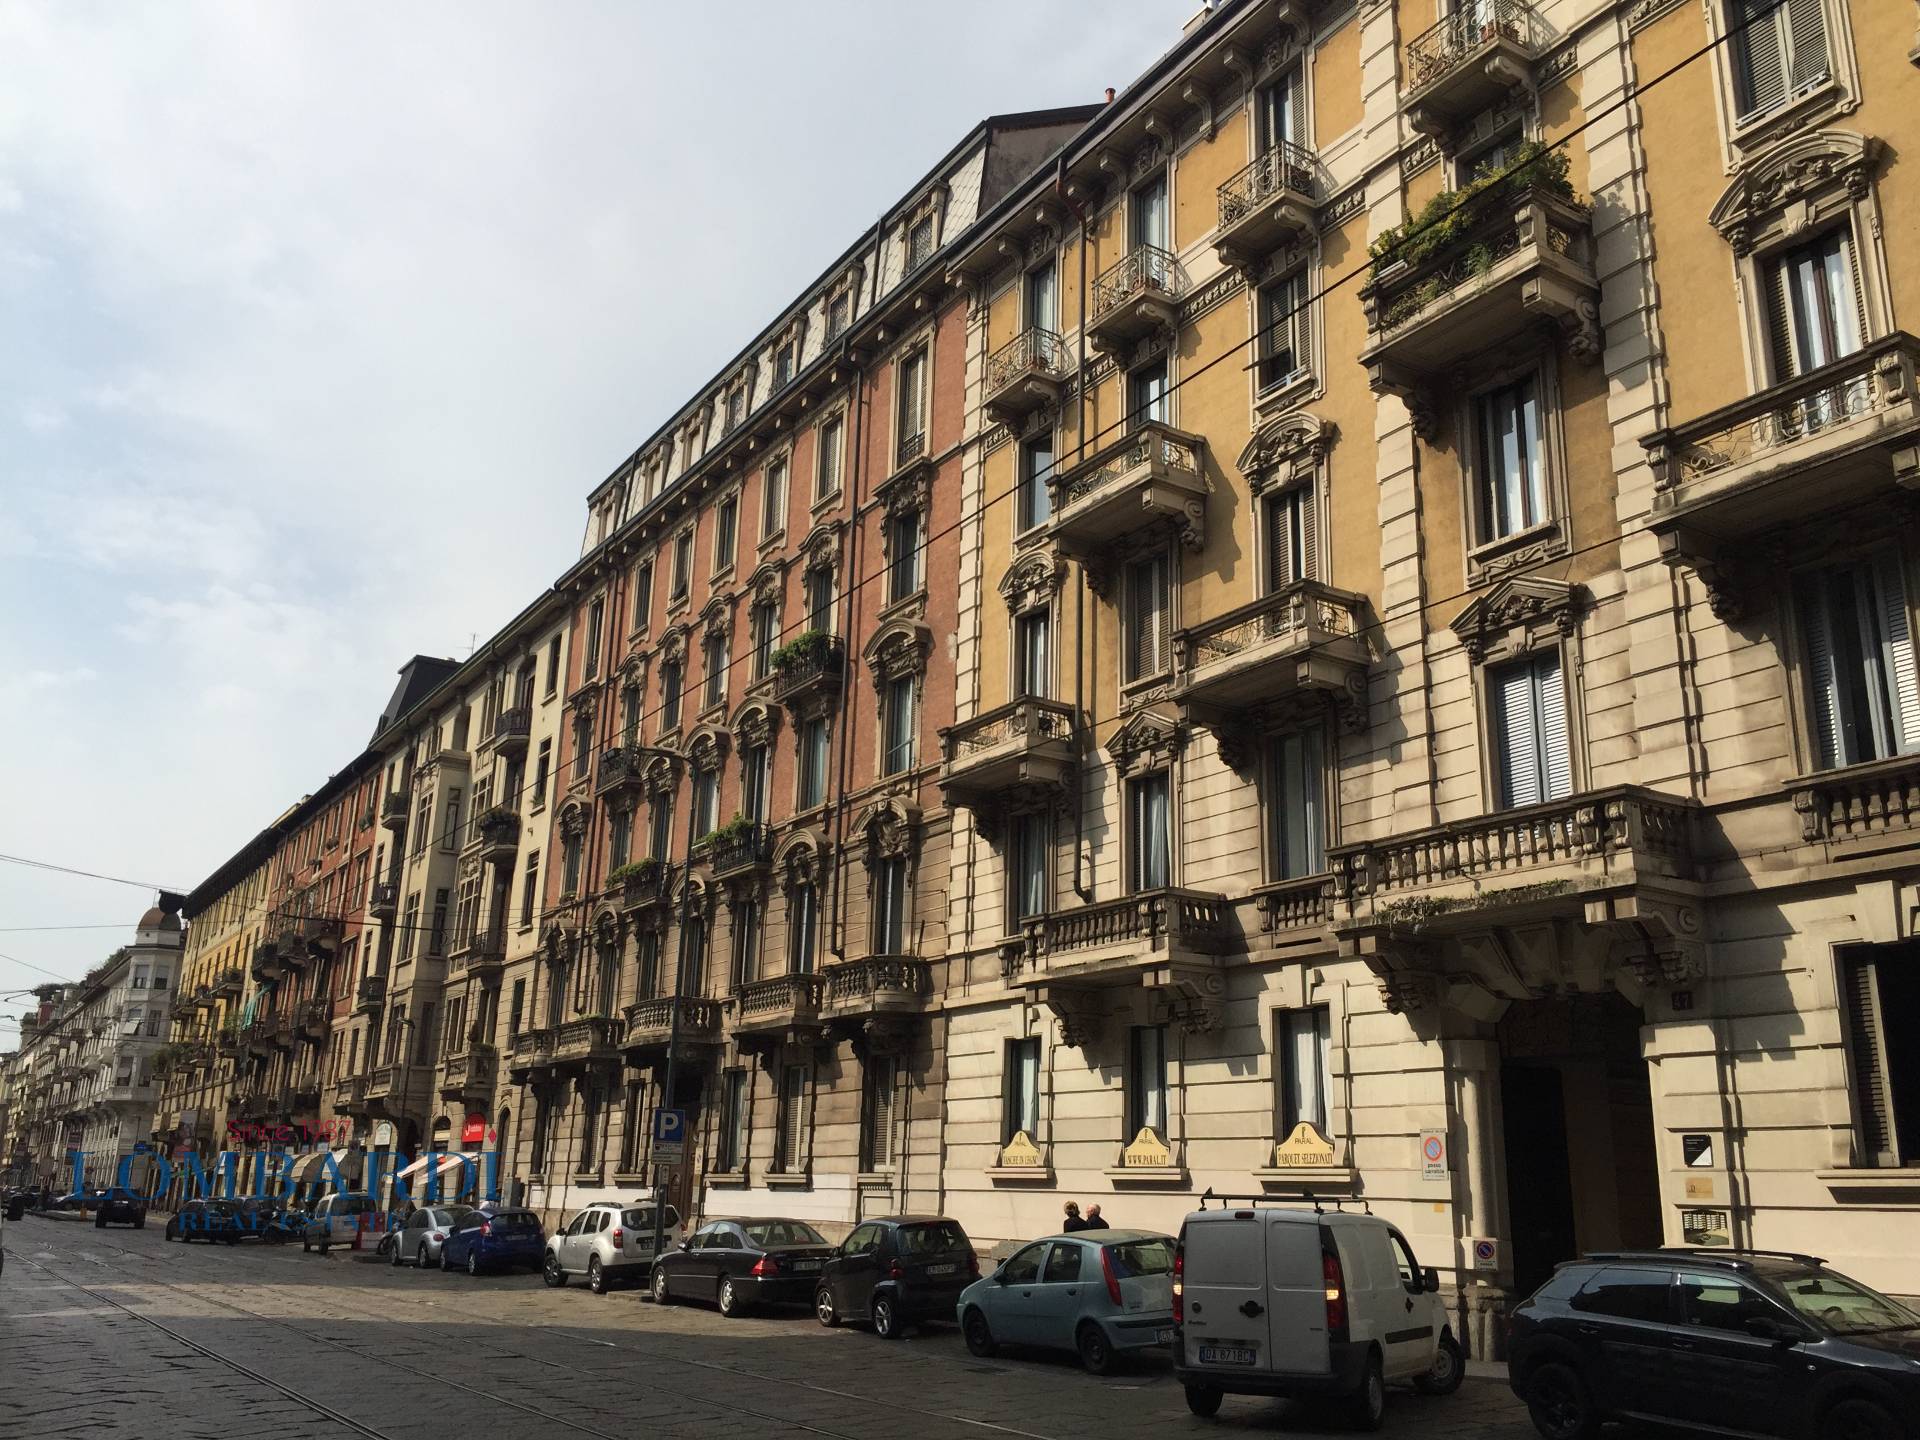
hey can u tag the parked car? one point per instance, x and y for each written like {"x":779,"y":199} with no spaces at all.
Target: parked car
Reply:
{"x":81,"y":1200}
{"x":336,"y":1220}
{"x":610,"y":1242}
{"x":1103,"y":1294}
{"x":120,"y":1207}
{"x":493,"y":1238}
{"x":737,"y":1264}
{"x":899,"y":1271}
{"x":1270,"y":1300}
{"x":1737,"y":1342}
{"x":207,"y":1220}
{"x":421,"y":1235}
{"x":267,"y":1219}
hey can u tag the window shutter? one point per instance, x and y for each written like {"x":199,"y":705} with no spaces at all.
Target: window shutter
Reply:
{"x":1296,"y":109}
{"x":793,"y":1122}
{"x":1878,"y":1144}
{"x":1780,"y":321}
{"x":1848,"y":299}
{"x":1903,"y":685}
{"x":1806,"y":24}
{"x":1823,"y":698}
{"x":880,"y":1143}
{"x":1280,"y":561}
{"x":1556,"y":760}
{"x":1297,"y":293}
{"x":1513,"y":725}
{"x":1760,"y":58}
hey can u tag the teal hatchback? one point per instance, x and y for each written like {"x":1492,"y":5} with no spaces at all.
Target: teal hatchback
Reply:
{"x":1101,"y":1293}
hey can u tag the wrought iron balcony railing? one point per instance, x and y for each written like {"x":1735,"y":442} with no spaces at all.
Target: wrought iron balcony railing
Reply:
{"x":818,"y":670}
{"x":1471,"y":58}
{"x":511,"y":729}
{"x":1026,"y":373}
{"x":741,"y":850}
{"x":1134,"y":297}
{"x":394,"y":810}
{"x":1269,"y":203}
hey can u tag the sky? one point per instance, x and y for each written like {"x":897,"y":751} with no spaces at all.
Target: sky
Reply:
{"x":318,"y":322}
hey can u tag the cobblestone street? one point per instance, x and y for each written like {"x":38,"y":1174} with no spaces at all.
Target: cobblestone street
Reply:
{"x":120,"y":1333}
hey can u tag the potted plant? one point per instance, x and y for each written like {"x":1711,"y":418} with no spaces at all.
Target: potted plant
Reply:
{"x":798,"y":651}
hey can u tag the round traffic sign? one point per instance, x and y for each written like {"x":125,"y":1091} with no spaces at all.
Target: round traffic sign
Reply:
{"x":1483,"y":1250}
{"x":1433,"y":1149}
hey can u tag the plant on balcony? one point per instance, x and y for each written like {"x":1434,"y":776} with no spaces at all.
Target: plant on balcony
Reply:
{"x":638,"y":871}
{"x":1451,"y":214}
{"x":805,"y":647}
{"x":738,"y":828}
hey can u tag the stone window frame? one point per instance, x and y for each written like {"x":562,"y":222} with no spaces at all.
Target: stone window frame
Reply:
{"x":932,"y":204}
{"x":1033,"y":584}
{"x":919,"y":340}
{"x":908,"y":491}
{"x":770,"y":536}
{"x":899,"y":649}
{"x":794,"y":332}
{"x":721,"y":568}
{"x":1795,"y":192}
{"x":1838,"y":95}
{"x":836,"y":413}
{"x":890,"y":829}
{"x":1490,"y":560}
{"x":716,"y":623}
{"x":1516,"y":620}
{"x":847,"y":286}
{"x":1309,"y":383}
{"x":1148,"y":743}
{"x":1290,"y":452}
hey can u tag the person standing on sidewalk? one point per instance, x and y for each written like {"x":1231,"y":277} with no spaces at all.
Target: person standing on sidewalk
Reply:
{"x":1093,"y":1220}
{"x":1073,"y":1222}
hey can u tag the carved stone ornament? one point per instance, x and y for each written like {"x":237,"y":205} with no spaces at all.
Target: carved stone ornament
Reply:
{"x":1810,"y":175}
{"x":1526,"y":603}
{"x":768,"y":585}
{"x":1195,"y":1000}
{"x":717,"y":618}
{"x":707,"y":747}
{"x":573,"y":819}
{"x":673,"y":646}
{"x":1032,"y":581}
{"x":821,"y":548}
{"x":891,"y":827}
{"x":907,"y":493}
{"x":662,"y":774}
{"x":1146,"y":741}
{"x":756,"y":723}
{"x":896,"y":650}
{"x":799,"y":860}
{"x":1286,"y":450}
{"x":694,"y":896}
{"x":1077,"y":1015}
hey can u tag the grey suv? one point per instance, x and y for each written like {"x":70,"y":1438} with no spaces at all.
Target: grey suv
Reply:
{"x":608,"y":1242}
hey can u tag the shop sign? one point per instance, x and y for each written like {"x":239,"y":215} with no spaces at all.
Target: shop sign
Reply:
{"x":1147,"y":1152}
{"x":1020,"y":1153}
{"x":474,"y":1131}
{"x":1304,"y":1146}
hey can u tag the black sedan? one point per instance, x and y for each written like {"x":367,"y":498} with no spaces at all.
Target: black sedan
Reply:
{"x":207,"y":1220}
{"x":1733,"y":1342}
{"x":120,"y":1207}
{"x":735,"y":1264}
{"x":898,"y":1271}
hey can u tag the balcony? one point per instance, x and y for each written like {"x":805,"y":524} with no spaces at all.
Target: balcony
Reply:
{"x":1154,"y":473}
{"x":317,"y":932}
{"x":808,"y":667}
{"x":511,"y":729}
{"x":1470,"y":60}
{"x":265,"y":965}
{"x":530,"y":1054}
{"x":393,"y":812}
{"x":1027,"y":374}
{"x":303,"y":1097}
{"x":204,"y":998}
{"x":622,"y":769}
{"x":1137,"y":297}
{"x":784,"y":1007}
{"x":481,"y":955}
{"x":1525,"y":257}
{"x":590,"y":1040}
{"x":1272,"y":202}
{"x":350,"y":1093}
{"x":878,"y":985}
{"x":498,"y":832}
{"x":260,"y":1038}
{"x":643,"y":883}
{"x":226,"y":985}
{"x":1305,"y":637}
{"x":650,"y":1024}
{"x":371,"y":994}
{"x":385,"y":902}
{"x":1844,"y":435}
{"x":316,"y":1018}
{"x":1862,"y":810}
{"x":1531,"y":901}
{"x":383,"y":1082}
{"x":739,"y":852}
{"x":1019,"y":749}
{"x":229,"y":1045}
{"x":469,"y":1076}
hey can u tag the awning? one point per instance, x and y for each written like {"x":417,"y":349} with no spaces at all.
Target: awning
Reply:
{"x":307,"y":1167}
{"x":452,"y":1162}
{"x":415,"y":1168}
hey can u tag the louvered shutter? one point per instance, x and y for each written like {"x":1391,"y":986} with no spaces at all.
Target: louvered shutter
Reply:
{"x":1296,"y":109}
{"x":1556,"y":760}
{"x":1780,"y":320}
{"x":1281,"y":567}
{"x":1823,"y":696}
{"x":1301,"y":332}
{"x":880,"y":1115}
{"x":1759,"y":57}
{"x":793,"y":1118}
{"x":1867,"y":1048}
{"x":1896,"y":646}
{"x":1515,"y":733}
{"x":1806,"y":25}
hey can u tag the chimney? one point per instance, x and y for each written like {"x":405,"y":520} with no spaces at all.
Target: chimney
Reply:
{"x":1109,"y":94}
{"x":1200,"y":17}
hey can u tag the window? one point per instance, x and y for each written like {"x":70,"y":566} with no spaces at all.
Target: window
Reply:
{"x":919,"y":241}
{"x":1020,"y":1089}
{"x":642,"y":593}
{"x":1280,"y":109}
{"x":590,"y":1133}
{"x":1291,"y":535}
{"x":1863,"y":702}
{"x":1513,"y":492}
{"x":761,"y":627}
{"x":661,"y":839}
{"x":1147,"y":1080}
{"x":629,"y":714}
{"x":726,"y":531}
{"x":1643,"y":1295}
{"x":570,"y":865}
{"x":818,"y":584}
{"x":1036,"y":495}
{"x":735,"y":411}
{"x":789,"y":1139}
{"x":619,"y":838}
{"x":1880,"y":992}
{"x":1024,"y":1267}
{"x":1033,"y":655}
{"x":753,"y":782}
{"x":1286,"y":349}
{"x":647,"y":964}
{"x":411,"y":932}
{"x":437,"y":936}
{"x":542,"y":765}
{"x":730,"y":1147}
{"x":706,"y":801}
{"x":802,"y":928}
{"x":1300,"y":1069}
{"x":889,"y":900}
{"x":1814,"y":312}
{"x":783,"y":361}
{"x":582,"y":745}
{"x":450,"y":823}
{"x":1041,"y":303}
{"x":1147,"y":394}
{"x":746,"y":942}
{"x":693,"y":955}
{"x":1027,"y":855}
{"x":714,"y":657}
{"x":1296,"y":806}
{"x":1527,"y":707}
{"x":876,"y":1117}
{"x":630,"y":1129}
{"x":826,"y":480}
{"x":1148,"y":212}
{"x":898,"y":705}
{"x":903,"y":559}
{"x":910,"y":431}
{"x":813,"y":762}
{"x":1149,"y":832}
{"x":596,"y":622}
{"x":530,"y":890}
{"x":553,"y":665}
{"x":839,"y":314}
{"x":1779,"y":55}
{"x":670,"y":695}
{"x":773,"y":500}
{"x":1065,"y":1263}
{"x":1148,"y":631}
{"x":682,"y":564}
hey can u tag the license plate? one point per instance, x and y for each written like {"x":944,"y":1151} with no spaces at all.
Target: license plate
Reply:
{"x":941,"y":1269}
{"x":806,"y":1265}
{"x":1226,"y":1355}
{"x":1163,"y":1337}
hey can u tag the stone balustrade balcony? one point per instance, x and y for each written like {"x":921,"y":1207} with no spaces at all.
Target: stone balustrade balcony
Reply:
{"x":1306,"y":636}
{"x":782,"y":1006}
{"x":1152,"y":473}
{"x":1029,"y":744}
{"x":650,"y":1024}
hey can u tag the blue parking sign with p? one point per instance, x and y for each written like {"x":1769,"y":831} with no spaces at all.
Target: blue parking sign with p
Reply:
{"x":669,"y":1127}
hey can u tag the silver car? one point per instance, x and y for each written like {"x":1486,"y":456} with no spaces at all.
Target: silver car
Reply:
{"x":608,"y":1242}
{"x":1101,"y":1293}
{"x":418,"y":1242}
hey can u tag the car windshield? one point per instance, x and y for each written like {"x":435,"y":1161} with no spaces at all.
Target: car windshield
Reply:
{"x":782,"y":1232}
{"x":931,"y":1239}
{"x":1141,"y":1257}
{"x":514,"y":1219}
{"x":1840,"y":1305}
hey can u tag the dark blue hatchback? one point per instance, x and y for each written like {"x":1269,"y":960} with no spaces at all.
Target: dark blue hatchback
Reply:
{"x":494,"y":1238}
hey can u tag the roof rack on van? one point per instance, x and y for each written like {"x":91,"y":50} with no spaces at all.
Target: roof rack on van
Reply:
{"x":1305,"y":1197}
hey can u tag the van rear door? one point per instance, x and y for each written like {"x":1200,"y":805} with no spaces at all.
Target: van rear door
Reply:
{"x":1224,"y":1290}
{"x":1297,"y":1296}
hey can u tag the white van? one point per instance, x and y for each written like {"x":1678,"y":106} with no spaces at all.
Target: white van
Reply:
{"x":336,"y":1220}
{"x":1272,"y":1300}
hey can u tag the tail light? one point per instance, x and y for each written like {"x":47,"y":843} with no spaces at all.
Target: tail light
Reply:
{"x":973,"y":1264}
{"x":1113,"y":1280}
{"x":1179,"y":1285}
{"x":619,"y":1236}
{"x":1336,"y":1295}
{"x":486,"y":1228}
{"x":766,"y":1265}
{"x":896,"y":1271}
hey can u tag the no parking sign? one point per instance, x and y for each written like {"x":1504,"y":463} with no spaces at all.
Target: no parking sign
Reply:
{"x":1433,"y":1155}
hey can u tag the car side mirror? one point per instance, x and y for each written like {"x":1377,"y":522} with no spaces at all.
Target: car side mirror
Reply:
{"x":1430,"y":1280}
{"x":1765,"y":1327}
{"x":686,"y":1244}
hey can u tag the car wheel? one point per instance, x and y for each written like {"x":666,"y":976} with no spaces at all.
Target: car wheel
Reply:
{"x":141,"y":1223}
{"x":886,"y":1318}
{"x":1368,"y":1405}
{"x":729,"y":1298}
{"x":1557,"y":1400}
{"x":323,"y":1246}
{"x":1204,"y":1400}
{"x":552,"y":1273}
{"x":1449,"y":1368}
{"x":979,"y":1335}
{"x":1858,"y":1419}
{"x":1096,"y":1351}
{"x":659,"y":1287}
{"x":473,"y":1263}
{"x":823,"y":1310}
{"x":596,"y":1276}
{"x":170,"y":1233}
{"x":446,"y":1262}
{"x":394,"y":1257}
{"x":100,"y":1221}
